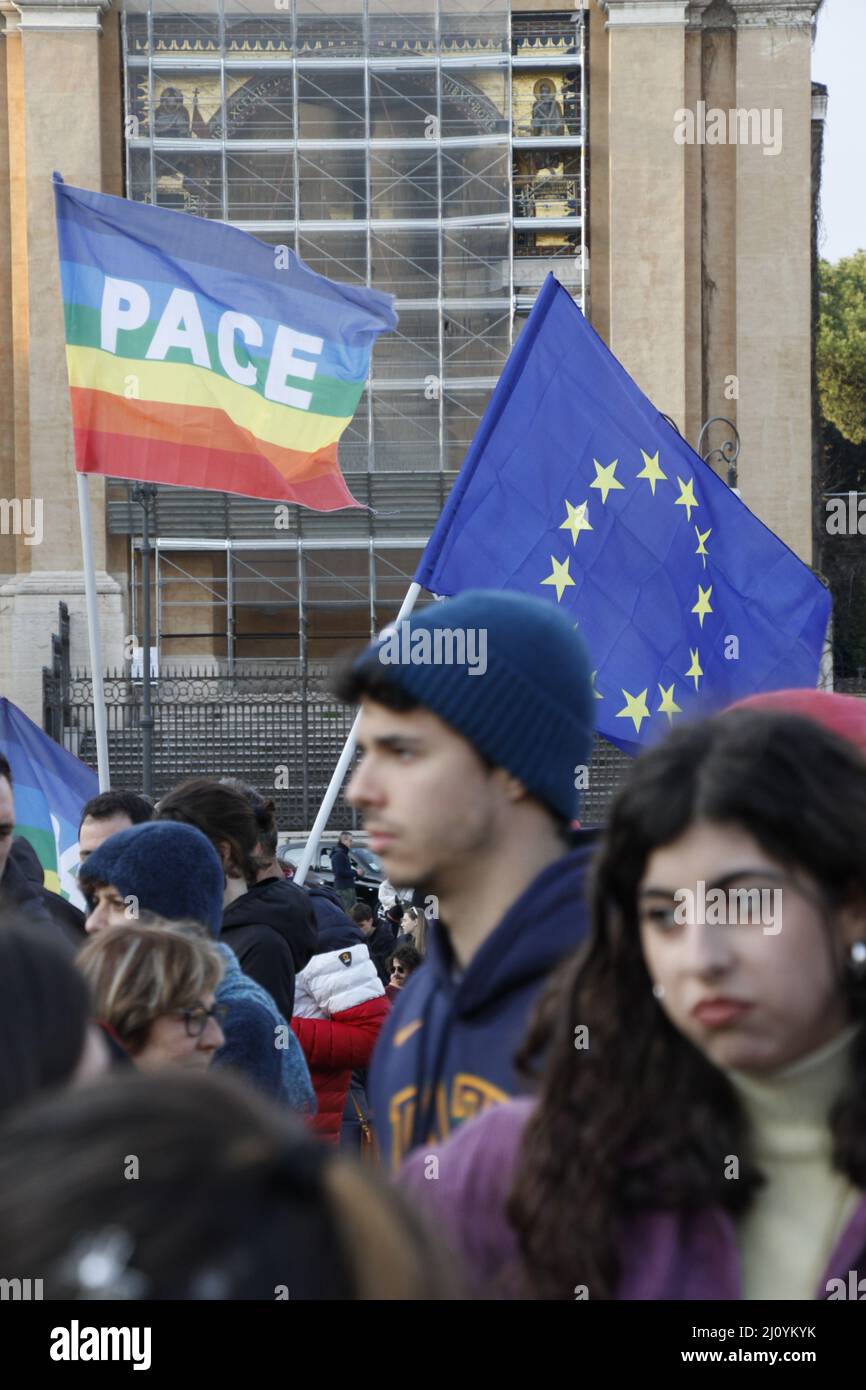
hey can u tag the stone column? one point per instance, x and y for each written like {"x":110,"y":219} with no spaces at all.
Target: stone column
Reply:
{"x":693,"y":231}
{"x":54,"y":118}
{"x":7,"y":410}
{"x":597,"y":213}
{"x":773,"y":226}
{"x":648,"y":196}
{"x":719,"y":233}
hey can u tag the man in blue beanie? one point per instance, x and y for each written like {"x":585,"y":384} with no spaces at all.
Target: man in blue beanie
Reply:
{"x":475,"y":733}
{"x":172,"y":871}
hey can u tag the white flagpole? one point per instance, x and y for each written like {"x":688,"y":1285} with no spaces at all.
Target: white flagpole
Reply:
{"x":93,"y":633}
{"x":825,"y":673}
{"x":342,"y":767}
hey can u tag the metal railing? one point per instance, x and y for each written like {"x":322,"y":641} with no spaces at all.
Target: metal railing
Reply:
{"x":282,"y":732}
{"x":279,"y":729}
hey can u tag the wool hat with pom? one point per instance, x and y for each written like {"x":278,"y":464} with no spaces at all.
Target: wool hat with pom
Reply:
{"x":171,"y":869}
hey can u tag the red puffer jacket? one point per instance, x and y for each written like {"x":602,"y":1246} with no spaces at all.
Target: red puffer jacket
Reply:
{"x":340,"y":1007}
{"x":334,"y":1047}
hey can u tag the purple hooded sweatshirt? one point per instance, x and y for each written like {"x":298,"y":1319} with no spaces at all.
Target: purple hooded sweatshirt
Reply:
{"x":663,"y":1254}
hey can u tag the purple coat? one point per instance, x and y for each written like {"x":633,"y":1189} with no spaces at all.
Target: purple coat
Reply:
{"x":663,"y":1254}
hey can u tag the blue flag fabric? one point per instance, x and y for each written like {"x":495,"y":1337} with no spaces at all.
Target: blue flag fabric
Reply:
{"x":50,"y":787}
{"x":577,"y":489}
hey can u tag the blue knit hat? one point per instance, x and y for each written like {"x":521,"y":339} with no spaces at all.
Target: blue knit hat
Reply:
{"x":507,"y":672}
{"x":172,"y":869}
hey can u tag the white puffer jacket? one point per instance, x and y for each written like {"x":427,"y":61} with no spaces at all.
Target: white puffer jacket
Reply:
{"x":335,"y":981}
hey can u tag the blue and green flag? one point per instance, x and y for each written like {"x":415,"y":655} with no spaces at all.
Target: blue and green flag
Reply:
{"x":50,"y":788}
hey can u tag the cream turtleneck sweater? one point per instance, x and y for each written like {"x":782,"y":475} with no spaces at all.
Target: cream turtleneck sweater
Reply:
{"x":796,"y":1218}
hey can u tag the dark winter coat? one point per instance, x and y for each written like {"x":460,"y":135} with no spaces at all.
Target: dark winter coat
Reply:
{"x":64,"y":914}
{"x":341,"y":864}
{"x":382,"y":947}
{"x":23,"y":899}
{"x":329,"y":911}
{"x":451,"y":1037}
{"x":272,"y":931}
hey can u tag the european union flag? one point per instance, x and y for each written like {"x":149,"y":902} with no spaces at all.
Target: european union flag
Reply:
{"x":577,"y":489}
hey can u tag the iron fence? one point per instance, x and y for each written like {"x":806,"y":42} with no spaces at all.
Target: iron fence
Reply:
{"x":282,"y":731}
{"x":276,"y":726}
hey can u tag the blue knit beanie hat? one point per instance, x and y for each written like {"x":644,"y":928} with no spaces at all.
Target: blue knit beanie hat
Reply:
{"x":173,"y":870}
{"x":506,"y":671}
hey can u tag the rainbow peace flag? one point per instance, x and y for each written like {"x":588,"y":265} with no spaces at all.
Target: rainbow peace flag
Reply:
{"x":202,"y":357}
{"x":50,"y":787}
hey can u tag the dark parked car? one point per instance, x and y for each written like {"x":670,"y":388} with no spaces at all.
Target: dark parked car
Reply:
{"x":363,"y":861}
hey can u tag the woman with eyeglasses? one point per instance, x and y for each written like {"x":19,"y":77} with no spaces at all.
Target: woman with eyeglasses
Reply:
{"x":154,"y":989}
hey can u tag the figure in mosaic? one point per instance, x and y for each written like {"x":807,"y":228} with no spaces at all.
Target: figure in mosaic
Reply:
{"x":171,"y":118}
{"x":546,"y":110}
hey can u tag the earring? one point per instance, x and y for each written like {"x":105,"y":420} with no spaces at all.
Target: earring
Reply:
{"x":659,"y":990}
{"x":857,"y":960}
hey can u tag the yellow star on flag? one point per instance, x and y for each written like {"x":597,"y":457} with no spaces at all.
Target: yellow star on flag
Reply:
{"x":560,"y":578}
{"x":694,"y":670}
{"x":687,"y":497}
{"x":702,"y":536}
{"x":651,"y":470}
{"x":635,"y":709}
{"x":605,"y":479}
{"x":594,"y":691}
{"x":702,"y":607}
{"x":668,"y":705}
{"x":576,"y":520}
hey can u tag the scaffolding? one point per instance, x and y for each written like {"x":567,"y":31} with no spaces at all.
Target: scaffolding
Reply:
{"x":262,"y":600}
{"x":434,"y":149}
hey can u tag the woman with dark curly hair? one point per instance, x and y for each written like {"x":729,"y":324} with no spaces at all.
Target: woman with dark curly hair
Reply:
{"x":700,"y":1127}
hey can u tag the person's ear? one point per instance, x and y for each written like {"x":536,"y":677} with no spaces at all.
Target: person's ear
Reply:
{"x":512,"y":786}
{"x":225,"y":854}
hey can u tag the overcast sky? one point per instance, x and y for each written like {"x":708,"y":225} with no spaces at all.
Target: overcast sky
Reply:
{"x":838,"y":60}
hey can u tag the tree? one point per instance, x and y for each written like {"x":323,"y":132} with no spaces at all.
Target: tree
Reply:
{"x":841,"y":346}
{"x":842,"y":558}
{"x":841,"y":372}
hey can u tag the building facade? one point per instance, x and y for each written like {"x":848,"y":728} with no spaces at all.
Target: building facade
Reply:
{"x":451,"y":152}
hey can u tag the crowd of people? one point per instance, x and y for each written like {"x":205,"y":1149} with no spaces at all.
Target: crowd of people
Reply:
{"x":552,"y":1061}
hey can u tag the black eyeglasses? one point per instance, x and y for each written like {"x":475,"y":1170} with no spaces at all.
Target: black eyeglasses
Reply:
{"x":196,"y":1019}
